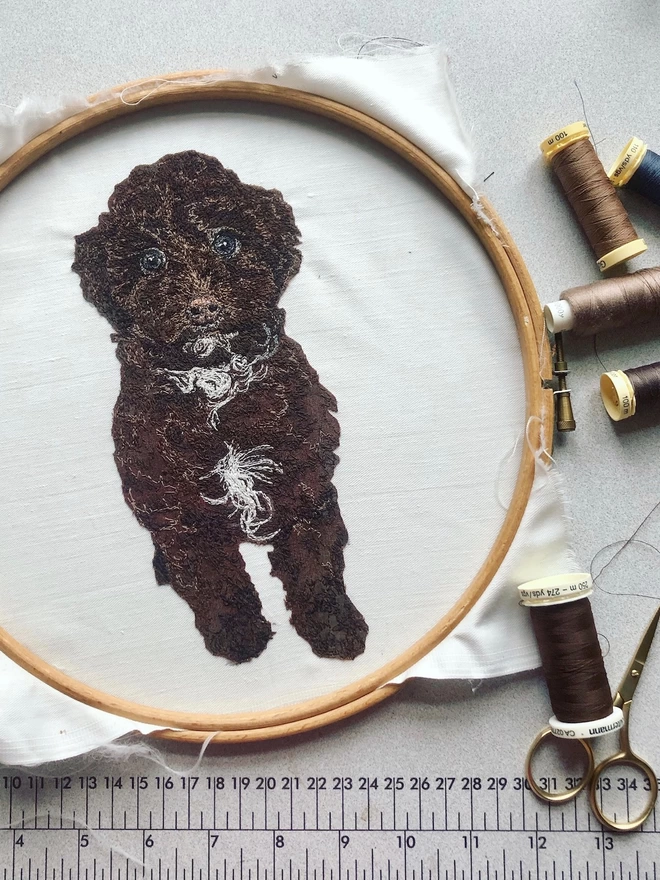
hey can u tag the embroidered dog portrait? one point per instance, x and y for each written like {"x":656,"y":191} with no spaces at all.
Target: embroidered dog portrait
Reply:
{"x":223,"y":433}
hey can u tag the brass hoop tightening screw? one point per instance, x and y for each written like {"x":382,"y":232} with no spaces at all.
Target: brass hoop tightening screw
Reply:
{"x":563,"y":408}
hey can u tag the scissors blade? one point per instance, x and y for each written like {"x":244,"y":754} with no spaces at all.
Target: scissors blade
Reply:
{"x":634,"y":671}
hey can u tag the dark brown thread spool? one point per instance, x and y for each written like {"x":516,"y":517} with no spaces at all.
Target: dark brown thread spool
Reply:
{"x":627,"y":392}
{"x":592,"y":196}
{"x":571,"y":656}
{"x":572,"y":661}
{"x":607,"y":305}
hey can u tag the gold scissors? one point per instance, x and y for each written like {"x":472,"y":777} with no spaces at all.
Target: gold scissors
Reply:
{"x":624,"y":757}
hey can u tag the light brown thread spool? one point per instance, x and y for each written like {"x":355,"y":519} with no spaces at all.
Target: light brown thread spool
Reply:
{"x":572,"y":660}
{"x":592,"y":196}
{"x":607,"y":305}
{"x":627,"y":392}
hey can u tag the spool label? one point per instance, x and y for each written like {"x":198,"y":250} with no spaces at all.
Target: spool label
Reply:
{"x":561,"y":733}
{"x":621,"y":254}
{"x":618,"y":395}
{"x":563,"y":137}
{"x":558,"y":136}
{"x":587,"y":729}
{"x":625,"y":405}
{"x":537,"y":594}
{"x":606,"y":728}
{"x":628,"y":161}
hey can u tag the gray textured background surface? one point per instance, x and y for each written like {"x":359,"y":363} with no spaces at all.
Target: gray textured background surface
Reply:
{"x":514,"y":66}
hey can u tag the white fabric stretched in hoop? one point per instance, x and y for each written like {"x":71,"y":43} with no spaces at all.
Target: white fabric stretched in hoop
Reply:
{"x":354,"y":282}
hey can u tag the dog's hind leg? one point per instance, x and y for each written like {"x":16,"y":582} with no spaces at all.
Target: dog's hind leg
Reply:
{"x":309,"y":560}
{"x":209,"y":573}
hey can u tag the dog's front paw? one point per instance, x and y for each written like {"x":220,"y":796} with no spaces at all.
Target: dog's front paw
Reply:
{"x":161,"y":568}
{"x":339,"y":632}
{"x":239,"y":637}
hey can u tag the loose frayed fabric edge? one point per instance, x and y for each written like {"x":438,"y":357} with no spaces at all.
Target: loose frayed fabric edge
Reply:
{"x":366,"y":84}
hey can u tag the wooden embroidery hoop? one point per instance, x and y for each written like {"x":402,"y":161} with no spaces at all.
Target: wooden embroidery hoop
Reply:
{"x":373,"y":688}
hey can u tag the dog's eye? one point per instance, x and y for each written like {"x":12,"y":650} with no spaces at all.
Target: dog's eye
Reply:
{"x":225,"y":244}
{"x":151,"y":260}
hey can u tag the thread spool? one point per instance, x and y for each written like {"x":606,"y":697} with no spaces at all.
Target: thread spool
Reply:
{"x":571,"y":657}
{"x":607,"y":304}
{"x":627,"y":392}
{"x":592,"y":196}
{"x":638,"y":168}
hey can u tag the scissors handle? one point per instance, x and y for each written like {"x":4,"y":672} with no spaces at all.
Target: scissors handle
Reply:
{"x":563,"y":796}
{"x":624,"y":758}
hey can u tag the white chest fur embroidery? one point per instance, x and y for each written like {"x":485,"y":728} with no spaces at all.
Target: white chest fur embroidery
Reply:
{"x":239,"y":470}
{"x":220,"y":385}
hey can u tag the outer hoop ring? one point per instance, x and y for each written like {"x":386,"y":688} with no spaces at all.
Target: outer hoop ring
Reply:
{"x":310,"y":714}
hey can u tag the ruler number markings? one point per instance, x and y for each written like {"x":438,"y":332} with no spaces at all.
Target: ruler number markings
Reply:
{"x":430,"y":826}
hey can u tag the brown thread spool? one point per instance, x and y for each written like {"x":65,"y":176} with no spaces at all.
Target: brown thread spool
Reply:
{"x":592,"y":196}
{"x":627,"y":392}
{"x":607,"y":305}
{"x":571,"y":657}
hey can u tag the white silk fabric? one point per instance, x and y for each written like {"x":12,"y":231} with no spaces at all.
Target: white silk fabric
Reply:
{"x":398,"y":308}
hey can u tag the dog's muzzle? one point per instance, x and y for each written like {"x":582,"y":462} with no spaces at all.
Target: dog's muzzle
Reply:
{"x":204,"y":311}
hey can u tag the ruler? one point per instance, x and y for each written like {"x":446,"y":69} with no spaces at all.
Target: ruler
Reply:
{"x":431,"y":825}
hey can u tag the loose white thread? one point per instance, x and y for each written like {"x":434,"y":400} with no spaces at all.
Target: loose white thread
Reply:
{"x":104,"y":840}
{"x":113,"y":752}
{"x":505,"y":478}
{"x":239,"y":471}
{"x":480,"y":211}
{"x":124,"y":752}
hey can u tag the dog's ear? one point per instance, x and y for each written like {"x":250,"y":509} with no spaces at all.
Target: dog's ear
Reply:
{"x":91,"y":264}
{"x":279,"y":227}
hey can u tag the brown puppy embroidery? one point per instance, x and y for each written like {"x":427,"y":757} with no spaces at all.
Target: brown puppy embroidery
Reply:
{"x":223,"y":432}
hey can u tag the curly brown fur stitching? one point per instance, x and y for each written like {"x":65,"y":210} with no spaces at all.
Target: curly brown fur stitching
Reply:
{"x":223,"y":432}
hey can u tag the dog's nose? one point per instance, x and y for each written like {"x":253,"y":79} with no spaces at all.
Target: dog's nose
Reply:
{"x":204,"y":310}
